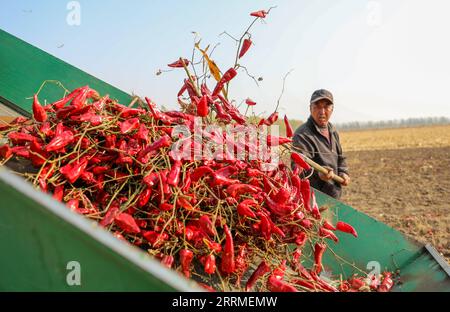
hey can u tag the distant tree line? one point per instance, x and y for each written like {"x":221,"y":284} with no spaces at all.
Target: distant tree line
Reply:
{"x":397,"y":123}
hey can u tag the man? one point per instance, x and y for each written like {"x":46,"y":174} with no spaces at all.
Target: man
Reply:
{"x":318,"y":140}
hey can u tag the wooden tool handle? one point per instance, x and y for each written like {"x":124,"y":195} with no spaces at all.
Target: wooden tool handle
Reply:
{"x":322,"y":169}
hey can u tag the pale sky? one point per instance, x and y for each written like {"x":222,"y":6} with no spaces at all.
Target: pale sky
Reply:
{"x":386,"y":59}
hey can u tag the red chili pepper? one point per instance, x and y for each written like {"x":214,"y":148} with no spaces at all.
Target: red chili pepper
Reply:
{"x":221,"y":114}
{"x":299,"y":161}
{"x":184,"y":203}
{"x":237,"y":189}
{"x":206,"y":225}
{"x":307,"y":224}
{"x":387,"y":283}
{"x":229,"y":74}
{"x":306,"y":194}
{"x":144,"y":197}
{"x":276,"y":285}
{"x":60,"y":141}
{"x":142,"y":133}
{"x":298,"y":216}
{"x":151,"y":179}
{"x":100,"y":169}
{"x":280,"y":270}
{"x":186,"y":183}
{"x":112,"y":212}
{"x":62,"y":102}
{"x":5,"y":151}
{"x":346,"y":228}
{"x":73,"y":204}
{"x":20,"y":138}
{"x":165,"y":207}
{"x":212,"y":246}
{"x":266,"y":227}
{"x":272,"y":119}
{"x":315,"y":207}
{"x":253,"y":172}
{"x":282,"y":196}
{"x":243,"y":208}
{"x":79,"y":100}
{"x":327,"y":225}
{"x":202,"y":106}
{"x":275,"y":141}
{"x":189,"y":232}
{"x":262,"y":122}
{"x":141,"y":223}
{"x":245,"y":47}
{"x":306,"y":284}
{"x":328,"y":234}
{"x":241,"y":262}
{"x":210,"y":264}
{"x":250,"y":102}
{"x":262,"y":270}
{"x":127,"y":223}
{"x":37,"y":155}
{"x":186,"y":257}
{"x":228,"y":265}
{"x":164,"y":141}
{"x":154,"y":238}
{"x":58,"y":192}
{"x":236,"y":116}
{"x":278,"y":208}
{"x":220,"y":180}
{"x":164,"y":187}
{"x":129,"y":125}
{"x":174,"y":175}
{"x":39,"y":113}
{"x":319,"y":250}
{"x":5,"y":127}
{"x":260,"y":14}
{"x":356,"y":283}
{"x":179,"y":64}
{"x":276,"y":230}
{"x":126,"y":112}
{"x":74,"y":170}
{"x":167,"y":261}
{"x":289,"y":130}
{"x":300,"y":239}
{"x":227,"y":171}
{"x":296,"y":256}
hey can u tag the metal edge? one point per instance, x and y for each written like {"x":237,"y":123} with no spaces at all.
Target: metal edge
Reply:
{"x":439,"y":259}
{"x":102,"y":236}
{"x":14,"y":107}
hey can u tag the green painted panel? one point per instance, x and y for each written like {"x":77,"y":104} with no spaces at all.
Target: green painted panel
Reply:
{"x":379,"y":244}
{"x":23,"y":68}
{"x":39,"y":237}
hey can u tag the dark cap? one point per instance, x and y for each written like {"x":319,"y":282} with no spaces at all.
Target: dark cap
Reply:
{"x":321,"y":94}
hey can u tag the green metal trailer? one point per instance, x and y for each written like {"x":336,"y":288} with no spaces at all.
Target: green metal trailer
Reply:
{"x":46,"y":247}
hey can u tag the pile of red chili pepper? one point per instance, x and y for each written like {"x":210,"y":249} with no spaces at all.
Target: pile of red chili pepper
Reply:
{"x":225,"y":223}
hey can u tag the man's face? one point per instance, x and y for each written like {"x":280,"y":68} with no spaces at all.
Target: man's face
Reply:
{"x":321,"y":112}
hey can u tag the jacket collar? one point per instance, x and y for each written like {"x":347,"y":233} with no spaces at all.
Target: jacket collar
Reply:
{"x":312,"y":124}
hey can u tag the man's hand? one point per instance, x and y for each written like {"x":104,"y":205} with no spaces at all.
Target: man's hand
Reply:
{"x":346,"y":179}
{"x":326,"y":177}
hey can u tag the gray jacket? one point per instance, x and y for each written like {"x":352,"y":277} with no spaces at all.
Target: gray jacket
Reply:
{"x":315,"y":146}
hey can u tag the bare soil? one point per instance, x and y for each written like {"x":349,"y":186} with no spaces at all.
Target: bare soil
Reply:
{"x":408,"y":189}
